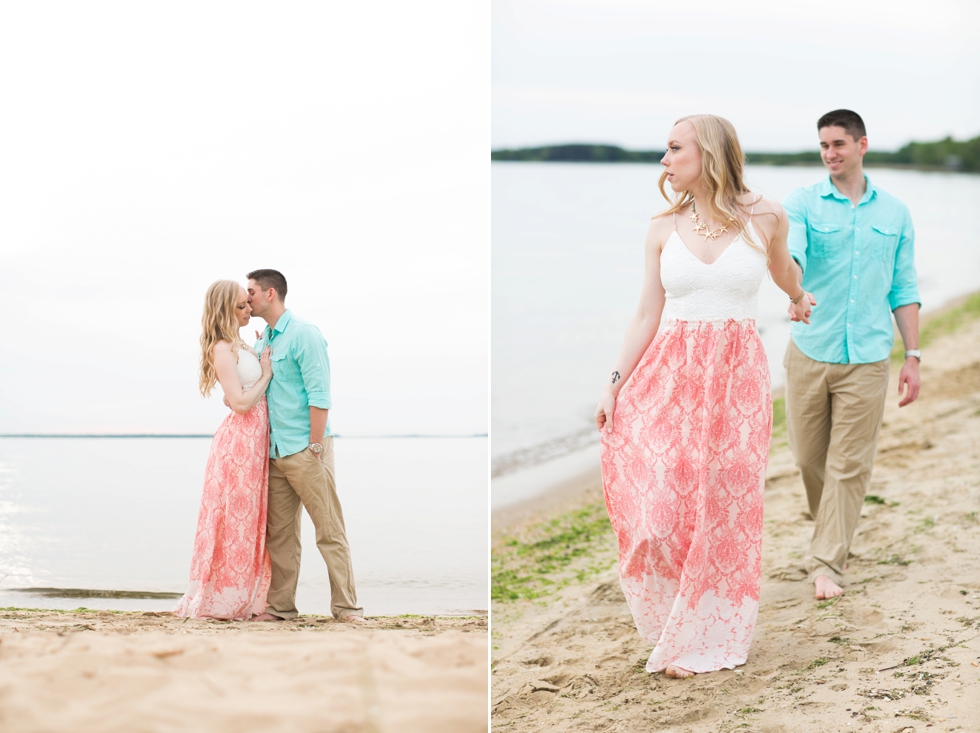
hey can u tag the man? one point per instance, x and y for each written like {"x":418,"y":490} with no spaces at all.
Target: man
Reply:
{"x":854,"y":245}
{"x":301,"y":471}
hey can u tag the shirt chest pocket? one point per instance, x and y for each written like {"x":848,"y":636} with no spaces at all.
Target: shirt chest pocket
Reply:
{"x":284,"y":369}
{"x":825,"y":240}
{"x":884,"y":242}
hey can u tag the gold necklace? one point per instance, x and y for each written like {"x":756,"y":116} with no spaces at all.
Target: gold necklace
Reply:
{"x":702,"y":228}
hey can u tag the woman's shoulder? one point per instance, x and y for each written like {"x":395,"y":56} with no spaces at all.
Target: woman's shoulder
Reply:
{"x":662,"y":226}
{"x":759,"y":204}
{"x":222,"y":348}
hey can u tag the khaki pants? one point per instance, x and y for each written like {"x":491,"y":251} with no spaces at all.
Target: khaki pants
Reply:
{"x":833,"y":415}
{"x":294,"y":482}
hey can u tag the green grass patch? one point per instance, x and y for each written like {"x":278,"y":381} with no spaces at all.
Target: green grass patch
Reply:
{"x":879,"y":501}
{"x":941,"y":324}
{"x":828,"y":602}
{"x":818,"y":662}
{"x":550,"y":556}
{"x":778,"y":423}
{"x":895,"y":560}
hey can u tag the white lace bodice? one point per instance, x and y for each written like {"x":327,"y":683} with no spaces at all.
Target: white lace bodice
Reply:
{"x":727,"y":289}
{"x":249,"y":369}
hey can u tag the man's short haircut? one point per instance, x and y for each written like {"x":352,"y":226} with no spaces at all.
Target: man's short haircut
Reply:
{"x":851,"y":122}
{"x":266,"y":279}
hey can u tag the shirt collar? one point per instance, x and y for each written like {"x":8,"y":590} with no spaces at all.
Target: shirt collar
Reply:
{"x":829,"y":189}
{"x":281,"y":324}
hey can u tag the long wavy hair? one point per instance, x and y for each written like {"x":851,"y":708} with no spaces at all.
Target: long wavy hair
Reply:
{"x":722,"y":168}
{"x":218,"y":323}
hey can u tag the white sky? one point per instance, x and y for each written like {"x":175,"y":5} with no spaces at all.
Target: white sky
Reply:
{"x":622,"y":71}
{"x":149,"y":149}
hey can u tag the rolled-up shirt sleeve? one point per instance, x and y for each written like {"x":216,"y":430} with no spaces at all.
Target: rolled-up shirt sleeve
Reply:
{"x":905,"y":288}
{"x":311,"y":355}
{"x":795,"y":208}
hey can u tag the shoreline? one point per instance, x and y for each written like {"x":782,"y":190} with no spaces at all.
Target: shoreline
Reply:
{"x":899,"y":651}
{"x":563,"y":485}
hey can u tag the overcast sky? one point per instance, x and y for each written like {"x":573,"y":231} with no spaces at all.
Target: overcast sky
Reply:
{"x":149,"y":149}
{"x":622,"y":71}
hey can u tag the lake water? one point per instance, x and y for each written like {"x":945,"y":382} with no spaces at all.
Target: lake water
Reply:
{"x":567,"y":264}
{"x":119,"y":514}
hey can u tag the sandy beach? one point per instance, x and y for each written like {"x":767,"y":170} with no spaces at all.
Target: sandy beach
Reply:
{"x":900,"y":651}
{"x":104,"y":671}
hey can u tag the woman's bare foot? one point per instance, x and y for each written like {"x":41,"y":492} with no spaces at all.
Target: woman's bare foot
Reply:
{"x":678,"y":672}
{"x":826,"y":588}
{"x":265,"y":617}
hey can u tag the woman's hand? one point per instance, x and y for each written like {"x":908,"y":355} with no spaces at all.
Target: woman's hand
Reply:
{"x":604,"y":411}
{"x":265,"y":361}
{"x":801,"y":311}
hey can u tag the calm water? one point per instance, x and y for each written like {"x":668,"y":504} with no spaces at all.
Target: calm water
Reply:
{"x":567,"y":263}
{"x":120,"y":514}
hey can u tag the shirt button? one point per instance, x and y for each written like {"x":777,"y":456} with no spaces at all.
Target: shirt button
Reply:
{"x":855,"y":277}
{"x":852,"y":300}
{"x":858,"y":252}
{"x":858,"y":229}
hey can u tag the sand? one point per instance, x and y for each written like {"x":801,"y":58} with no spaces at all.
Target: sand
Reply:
{"x":898,"y":652}
{"x":132,"y":672}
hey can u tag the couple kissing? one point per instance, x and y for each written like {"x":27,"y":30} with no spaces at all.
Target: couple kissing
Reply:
{"x":270,"y":457}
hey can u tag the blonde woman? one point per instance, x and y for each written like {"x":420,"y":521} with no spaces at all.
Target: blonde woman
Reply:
{"x":686,"y":416}
{"x":230,"y":569}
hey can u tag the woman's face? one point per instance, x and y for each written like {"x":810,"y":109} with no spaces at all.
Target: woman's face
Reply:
{"x":683,"y":158}
{"x":243,"y":311}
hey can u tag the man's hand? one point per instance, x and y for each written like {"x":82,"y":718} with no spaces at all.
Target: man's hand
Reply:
{"x":909,"y":381}
{"x":800,"y":312}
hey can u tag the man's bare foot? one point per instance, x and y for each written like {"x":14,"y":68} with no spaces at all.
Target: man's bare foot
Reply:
{"x":265,"y":617}
{"x":356,"y":620}
{"x":678,"y":672}
{"x":826,"y":588}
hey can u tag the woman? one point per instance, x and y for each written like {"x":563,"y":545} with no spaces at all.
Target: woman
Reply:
{"x":687,"y":415}
{"x":230,"y":570}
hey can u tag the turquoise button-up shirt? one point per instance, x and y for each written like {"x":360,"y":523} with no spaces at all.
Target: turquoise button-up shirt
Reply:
{"x":859,"y":263}
{"x":300,"y":380}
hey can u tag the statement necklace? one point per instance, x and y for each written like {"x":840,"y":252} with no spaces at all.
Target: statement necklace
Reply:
{"x":702,"y":228}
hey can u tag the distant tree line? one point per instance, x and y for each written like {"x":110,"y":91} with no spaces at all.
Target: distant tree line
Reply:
{"x":947,"y":154}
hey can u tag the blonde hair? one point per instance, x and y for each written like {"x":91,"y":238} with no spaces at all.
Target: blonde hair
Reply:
{"x":218,"y":323}
{"x":722,"y":167}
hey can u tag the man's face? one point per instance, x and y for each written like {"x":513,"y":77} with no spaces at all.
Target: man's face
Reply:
{"x":840,"y":152}
{"x":258,"y":299}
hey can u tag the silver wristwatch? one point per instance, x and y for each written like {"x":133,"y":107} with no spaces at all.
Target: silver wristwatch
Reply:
{"x":317,"y":448}
{"x":914,"y":352}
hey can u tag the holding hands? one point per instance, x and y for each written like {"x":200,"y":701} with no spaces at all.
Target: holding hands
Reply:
{"x":800,"y":310}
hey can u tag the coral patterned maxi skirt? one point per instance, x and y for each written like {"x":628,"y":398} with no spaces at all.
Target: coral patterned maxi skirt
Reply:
{"x":230,"y":570}
{"x":683,"y":470}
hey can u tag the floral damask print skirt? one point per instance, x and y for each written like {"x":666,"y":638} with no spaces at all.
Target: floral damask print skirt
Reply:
{"x":230,"y":570}
{"x":683,"y":469}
